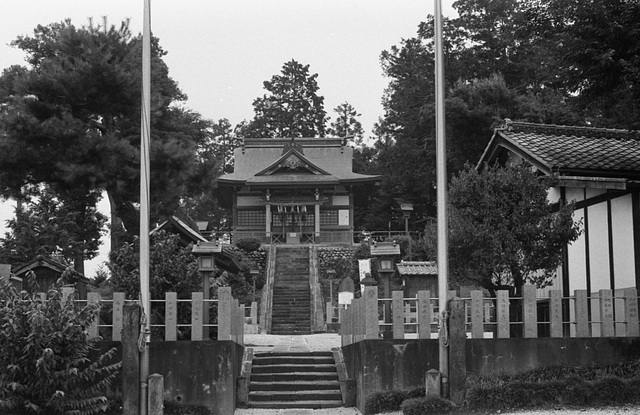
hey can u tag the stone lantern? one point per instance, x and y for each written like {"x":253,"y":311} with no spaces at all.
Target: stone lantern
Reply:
{"x":385,"y":252}
{"x":205,"y":251}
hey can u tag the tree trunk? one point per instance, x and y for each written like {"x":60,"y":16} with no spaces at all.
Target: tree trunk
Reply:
{"x":78,"y":263}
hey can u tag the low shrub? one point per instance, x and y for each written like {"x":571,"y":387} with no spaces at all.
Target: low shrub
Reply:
{"x":572,"y":390}
{"x":421,"y":406}
{"x":173,"y":408}
{"x":385,"y":401}
{"x":45,"y":356}
{"x":248,"y":244}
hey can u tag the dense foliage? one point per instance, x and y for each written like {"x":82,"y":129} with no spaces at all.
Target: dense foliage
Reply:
{"x":71,"y":120}
{"x":48,"y":226}
{"x":291,"y":108}
{"x":173,"y":268}
{"x":503,"y":230}
{"x":48,"y":364}
{"x":565,"y":62}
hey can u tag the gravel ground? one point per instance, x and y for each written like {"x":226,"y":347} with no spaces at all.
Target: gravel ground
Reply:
{"x":626,"y":409}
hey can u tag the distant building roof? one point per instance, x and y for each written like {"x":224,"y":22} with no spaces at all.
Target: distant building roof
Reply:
{"x":177,"y":226}
{"x":385,"y":248}
{"x":567,"y":150}
{"x":226,"y":260}
{"x":285,"y":162}
{"x":417,"y":268}
{"x":42,"y":261}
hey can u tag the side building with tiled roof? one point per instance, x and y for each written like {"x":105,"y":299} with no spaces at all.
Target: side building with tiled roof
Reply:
{"x":599,"y":170}
{"x":293,"y":190}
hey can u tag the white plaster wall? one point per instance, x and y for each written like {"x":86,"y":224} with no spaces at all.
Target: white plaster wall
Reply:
{"x":341,"y":200}
{"x":577,"y":259}
{"x":623,"y":253}
{"x":599,"y":247}
{"x":553,"y":194}
{"x":576,"y":250}
{"x":249,"y":201}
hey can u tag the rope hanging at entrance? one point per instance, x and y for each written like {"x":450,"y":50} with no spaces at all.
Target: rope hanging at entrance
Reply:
{"x":296,"y":213}
{"x":144,"y":332}
{"x":444,"y":329}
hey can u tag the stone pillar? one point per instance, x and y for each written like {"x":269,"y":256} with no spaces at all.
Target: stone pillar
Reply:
{"x":130,"y":359}
{"x":156,"y":395}
{"x":457,"y":351}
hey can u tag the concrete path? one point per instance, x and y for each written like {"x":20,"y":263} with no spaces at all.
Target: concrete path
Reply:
{"x":290,"y":343}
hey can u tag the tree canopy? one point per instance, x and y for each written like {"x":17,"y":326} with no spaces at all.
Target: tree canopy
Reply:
{"x":54,"y":227}
{"x":503,"y":230}
{"x":72,"y":120}
{"x":565,"y":62}
{"x":291,"y":108}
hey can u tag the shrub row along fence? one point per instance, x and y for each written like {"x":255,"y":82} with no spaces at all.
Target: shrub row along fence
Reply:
{"x":602,"y":314}
{"x":172,"y":319}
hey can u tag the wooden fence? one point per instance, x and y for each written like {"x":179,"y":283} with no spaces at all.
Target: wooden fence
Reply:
{"x":603,"y":314}
{"x":173,"y":319}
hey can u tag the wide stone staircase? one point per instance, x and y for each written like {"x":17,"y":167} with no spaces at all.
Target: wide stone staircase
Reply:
{"x":294,"y":380}
{"x":291,"y":304}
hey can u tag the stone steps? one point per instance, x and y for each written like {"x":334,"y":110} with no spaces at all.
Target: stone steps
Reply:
{"x":294,"y":380}
{"x":291,"y":300}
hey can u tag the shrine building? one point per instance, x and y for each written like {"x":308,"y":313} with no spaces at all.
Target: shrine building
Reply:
{"x":293,"y":190}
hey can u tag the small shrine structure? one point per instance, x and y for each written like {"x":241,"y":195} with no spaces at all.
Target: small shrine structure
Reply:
{"x":293,"y":190}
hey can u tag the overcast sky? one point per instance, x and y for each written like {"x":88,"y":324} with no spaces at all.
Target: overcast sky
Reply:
{"x":221,"y":52}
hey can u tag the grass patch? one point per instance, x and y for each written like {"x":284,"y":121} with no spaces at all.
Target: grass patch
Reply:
{"x":387,"y":401}
{"x":557,"y":385}
{"x":581,"y":386}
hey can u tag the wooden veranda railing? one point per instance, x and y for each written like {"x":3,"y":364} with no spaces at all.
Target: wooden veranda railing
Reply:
{"x":602,"y":314}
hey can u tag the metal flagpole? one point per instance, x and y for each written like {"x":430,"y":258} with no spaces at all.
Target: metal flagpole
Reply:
{"x":144,"y":207}
{"x":441,"y":169}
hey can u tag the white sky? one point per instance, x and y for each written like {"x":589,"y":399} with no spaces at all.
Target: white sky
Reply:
{"x":220,"y":52}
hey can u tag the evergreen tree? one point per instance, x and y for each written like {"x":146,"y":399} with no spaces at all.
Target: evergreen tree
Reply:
{"x":347,"y":124}
{"x":292,"y":107}
{"x":72,"y":120}
{"x":48,"y":225}
{"x":503,"y":230}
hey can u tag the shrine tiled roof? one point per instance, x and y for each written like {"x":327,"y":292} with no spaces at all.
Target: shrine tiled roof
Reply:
{"x":285,"y":162}
{"x":417,"y":268}
{"x":570,"y":150}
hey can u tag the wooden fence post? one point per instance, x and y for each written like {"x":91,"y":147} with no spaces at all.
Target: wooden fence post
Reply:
{"x":224,"y":313}
{"x":371,"y":329}
{"x":555,"y":313}
{"x":424,"y":314}
{"x":254,"y":313}
{"x":530,"y":311}
{"x":197,"y":314}
{"x":631,"y":312}
{"x":117,"y":316}
{"x":397,"y":307}
{"x":582,"y":313}
{"x":502,"y":314}
{"x":171,"y":316}
{"x":477,"y":314}
{"x":606,"y":313}
{"x":93,"y":299}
